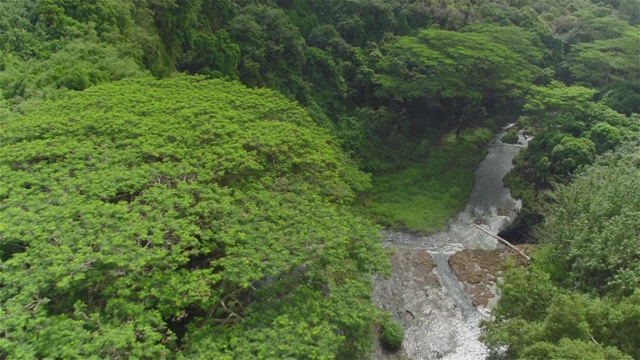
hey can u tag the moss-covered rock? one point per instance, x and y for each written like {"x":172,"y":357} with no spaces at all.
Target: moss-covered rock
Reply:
{"x":511,"y":137}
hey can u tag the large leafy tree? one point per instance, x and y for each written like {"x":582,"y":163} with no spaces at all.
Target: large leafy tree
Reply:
{"x":523,"y":42}
{"x":272,"y":50}
{"x":611,"y":65}
{"x":462,"y":74}
{"x":148,"y":219}
{"x":571,"y":128}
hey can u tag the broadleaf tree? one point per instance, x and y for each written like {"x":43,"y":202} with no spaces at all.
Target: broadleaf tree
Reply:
{"x":152,"y":219}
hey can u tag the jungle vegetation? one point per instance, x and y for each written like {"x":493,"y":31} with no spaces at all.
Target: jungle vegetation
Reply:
{"x":580,"y":298}
{"x":191,"y":177}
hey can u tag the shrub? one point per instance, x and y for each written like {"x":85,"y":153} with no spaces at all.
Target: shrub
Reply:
{"x":511,"y":137}
{"x":392,"y":334}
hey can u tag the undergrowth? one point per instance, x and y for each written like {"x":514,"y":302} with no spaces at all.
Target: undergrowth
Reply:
{"x":425,"y":194}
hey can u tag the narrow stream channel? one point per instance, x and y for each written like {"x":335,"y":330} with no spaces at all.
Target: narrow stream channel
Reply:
{"x":439,"y":317}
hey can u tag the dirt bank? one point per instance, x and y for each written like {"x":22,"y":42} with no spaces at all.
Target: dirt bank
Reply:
{"x":480,"y":271}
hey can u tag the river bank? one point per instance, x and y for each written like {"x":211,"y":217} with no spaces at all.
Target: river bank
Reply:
{"x":479,"y":271}
{"x":442,"y":285}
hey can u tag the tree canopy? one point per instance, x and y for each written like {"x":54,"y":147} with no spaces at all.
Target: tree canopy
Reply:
{"x":192,"y":217}
{"x":181,"y":216}
{"x":580,"y":298}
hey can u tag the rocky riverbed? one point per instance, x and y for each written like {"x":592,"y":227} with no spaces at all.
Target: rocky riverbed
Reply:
{"x":481,"y":271}
{"x":444,"y":284}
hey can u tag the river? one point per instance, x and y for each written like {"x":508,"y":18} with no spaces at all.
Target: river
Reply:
{"x":439,"y":317}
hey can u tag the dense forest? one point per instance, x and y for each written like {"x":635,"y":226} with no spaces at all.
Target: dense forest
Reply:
{"x":207,"y":178}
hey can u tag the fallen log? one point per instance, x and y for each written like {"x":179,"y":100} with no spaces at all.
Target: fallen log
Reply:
{"x":504,"y":242}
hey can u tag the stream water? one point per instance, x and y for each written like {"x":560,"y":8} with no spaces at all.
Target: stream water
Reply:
{"x":439,"y":317}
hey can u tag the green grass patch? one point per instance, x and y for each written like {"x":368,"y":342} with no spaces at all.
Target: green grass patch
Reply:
{"x":425,"y":194}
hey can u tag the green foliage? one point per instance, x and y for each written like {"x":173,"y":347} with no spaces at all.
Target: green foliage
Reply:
{"x":441,"y":64}
{"x":572,"y":349}
{"x":623,"y":97}
{"x":592,"y":233}
{"x":571,"y":130}
{"x":559,"y":107}
{"x":511,"y":137}
{"x":443,"y":81}
{"x":214,"y":55}
{"x":192,"y":38}
{"x":379,"y":139}
{"x":526,"y":295}
{"x":588,"y":25}
{"x":580,"y":298}
{"x":629,"y":10}
{"x":272,"y":50}
{"x":77,"y":66}
{"x":366,"y":70}
{"x":602,"y":62}
{"x":17,"y":33}
{"x":567,"y":325}
{"x":611,"y":65}
{"x":181,"y":216}
{"x":63,"y":44}
{"x":329,"y":87}
{"x":605,"y":137}
{"x":572,"y":153}
{"x":380,"y":91}
{"x":391,"y":334}
{"x":524,"y":42}
{"x":424,"y":195}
